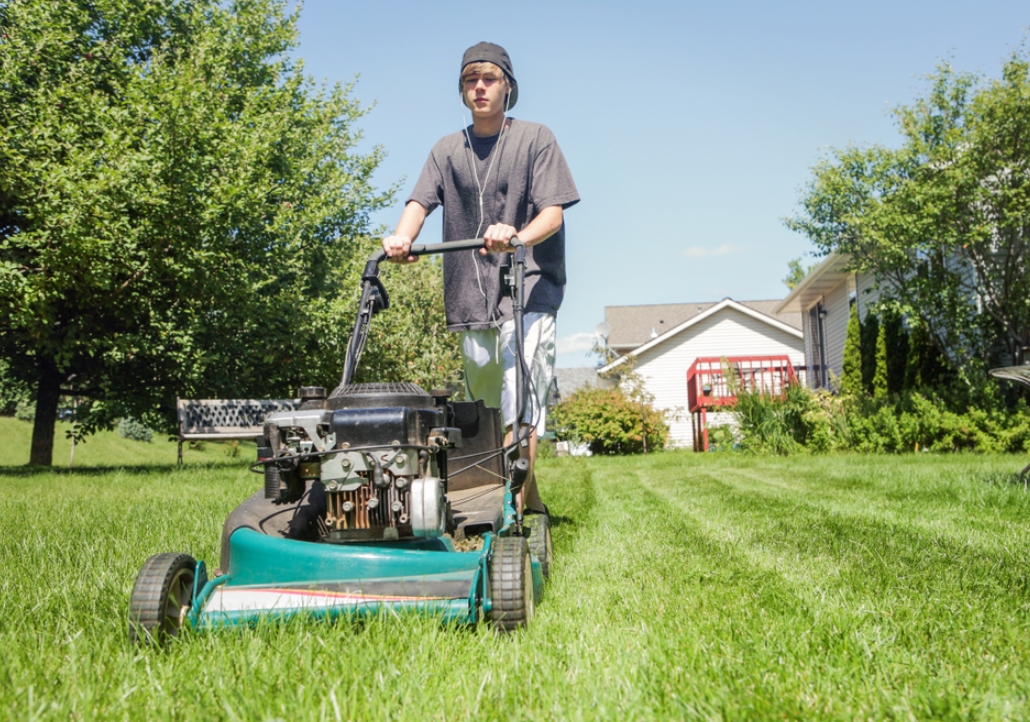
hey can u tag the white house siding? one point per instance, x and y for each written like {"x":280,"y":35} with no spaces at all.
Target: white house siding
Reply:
{"x":727,"y":333}
{"x":835,"y":326}
{"x":811,"y":353}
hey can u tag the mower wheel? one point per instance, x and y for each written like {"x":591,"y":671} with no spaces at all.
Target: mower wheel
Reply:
{"x":540,"y":545}
{"x":511,"y":584}
{"x":161,"y":598}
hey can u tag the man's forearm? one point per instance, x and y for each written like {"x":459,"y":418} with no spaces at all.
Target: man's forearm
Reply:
{"x":412,"y":219}
{"x":545,"y":225}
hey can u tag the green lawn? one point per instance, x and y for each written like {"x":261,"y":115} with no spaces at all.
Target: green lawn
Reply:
{"x":108,"y":450}
{"x":685,"y":586}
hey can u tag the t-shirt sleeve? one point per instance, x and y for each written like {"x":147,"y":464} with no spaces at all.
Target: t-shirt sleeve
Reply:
{"x":428,"y":190}
{"x":552,"y":179}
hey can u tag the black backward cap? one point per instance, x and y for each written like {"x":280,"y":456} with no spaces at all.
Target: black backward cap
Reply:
{"x":491,"y":53}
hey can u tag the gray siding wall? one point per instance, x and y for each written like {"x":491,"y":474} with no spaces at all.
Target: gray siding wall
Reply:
{"x":867,"y":293}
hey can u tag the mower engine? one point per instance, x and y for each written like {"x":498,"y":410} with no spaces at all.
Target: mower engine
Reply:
{"x":379,"y":451}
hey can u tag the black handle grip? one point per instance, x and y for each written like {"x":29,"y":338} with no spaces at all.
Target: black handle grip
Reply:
{"x":421,"y":249}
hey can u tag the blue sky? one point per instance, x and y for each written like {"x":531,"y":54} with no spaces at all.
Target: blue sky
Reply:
{"x":690,"y":128}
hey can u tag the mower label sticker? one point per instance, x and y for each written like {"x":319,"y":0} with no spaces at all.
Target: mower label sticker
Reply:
{"x":255,"y":600}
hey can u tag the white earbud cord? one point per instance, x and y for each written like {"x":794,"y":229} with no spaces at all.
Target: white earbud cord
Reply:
{"x":535,"y":412}
{"x":481,"y":187}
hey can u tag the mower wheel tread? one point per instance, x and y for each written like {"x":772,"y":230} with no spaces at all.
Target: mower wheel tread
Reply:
{"x":540,"y":544}
{"x":162,"y":593}
{"x":511,"y":584}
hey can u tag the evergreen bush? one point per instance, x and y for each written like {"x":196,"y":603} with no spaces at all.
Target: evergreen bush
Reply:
{"x":130,"y":428}
{"x":25,"y":410}
{"x":851,"y":369}
{"x":870,"y":333}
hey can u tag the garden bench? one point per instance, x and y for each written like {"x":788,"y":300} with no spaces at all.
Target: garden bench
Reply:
{"x":225,"y":419}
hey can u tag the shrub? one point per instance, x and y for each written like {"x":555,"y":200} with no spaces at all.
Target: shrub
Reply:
{"x":545,"y":448}
{"x":851,"y":373}
{"x":870,"y":334}
{"x":25,"y":411}
{"x":610,"y":422}
{"x":796,"y":421}
{"x":130,"y":428}
{"x":803,"y":420}
{"x":722,"y":438}
{"x":13,"y":393}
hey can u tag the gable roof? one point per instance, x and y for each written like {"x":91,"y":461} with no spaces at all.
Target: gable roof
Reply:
{"x":631,"y":326}
{"x":700,"y":315}
{"x":572,"y":379}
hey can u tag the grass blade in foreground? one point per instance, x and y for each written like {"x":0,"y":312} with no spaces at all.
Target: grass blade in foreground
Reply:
{"x":683,"y":586}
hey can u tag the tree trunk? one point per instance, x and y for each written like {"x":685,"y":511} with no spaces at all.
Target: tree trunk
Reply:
{"x":48,"y":393}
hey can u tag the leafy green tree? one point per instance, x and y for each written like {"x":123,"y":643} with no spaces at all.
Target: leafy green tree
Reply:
{"x":176,"y":206}
{"x":851,"y":370}
{"x":796,"y":273}
{"x":409,"y":341}
{"x":942,"y":221}
{"x":925,"y":367}
{"x":870,"y":334}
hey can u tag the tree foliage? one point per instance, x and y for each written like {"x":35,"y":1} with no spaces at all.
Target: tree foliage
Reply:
{"x":851,"y":368}
{"x":870,"y":336}
{"x":880,"y":384}
{"x":796,"y":273}
{"x":176,"y":201}
{"x":943,"y":222}
{"x":409,"y":341}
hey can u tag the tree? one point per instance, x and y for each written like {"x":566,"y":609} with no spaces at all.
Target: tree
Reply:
{"x":896,"y":339}
{"x":796,"y":273}
{"x":925,"y":367}
{"x":851,"y":369}
{"x":177,"y":203}
{"x":880,"y":386}
{"x":870,"y":334}
{"x":409,"y":341}
{"x":943,"y":222}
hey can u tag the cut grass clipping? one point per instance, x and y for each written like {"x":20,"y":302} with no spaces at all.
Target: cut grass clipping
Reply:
{"x":684,"y":586}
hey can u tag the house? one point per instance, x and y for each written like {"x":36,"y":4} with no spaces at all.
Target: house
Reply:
{"x":823,"y":301}
{"x":664,"y":340}
{"x":566,"y":381}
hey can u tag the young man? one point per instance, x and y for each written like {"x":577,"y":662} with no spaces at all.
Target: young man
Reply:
{"x":496,"y":179}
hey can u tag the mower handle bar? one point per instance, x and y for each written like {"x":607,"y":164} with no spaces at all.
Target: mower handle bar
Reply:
{"x":421,"y":249}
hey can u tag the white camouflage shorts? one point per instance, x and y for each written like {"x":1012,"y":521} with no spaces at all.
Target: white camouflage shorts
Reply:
{"x":489,"y":357}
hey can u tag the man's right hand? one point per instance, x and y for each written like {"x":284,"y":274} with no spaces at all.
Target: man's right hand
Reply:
{"x":397,"y":249}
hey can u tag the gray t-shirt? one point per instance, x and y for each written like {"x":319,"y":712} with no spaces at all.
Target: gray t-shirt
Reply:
{"x":516,"y":177}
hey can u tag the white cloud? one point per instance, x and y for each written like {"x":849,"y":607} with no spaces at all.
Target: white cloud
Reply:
{"x":701,"y":251}
{"x":576,"y":343}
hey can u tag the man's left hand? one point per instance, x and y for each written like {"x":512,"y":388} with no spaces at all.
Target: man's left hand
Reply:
{"x":497,"y":239}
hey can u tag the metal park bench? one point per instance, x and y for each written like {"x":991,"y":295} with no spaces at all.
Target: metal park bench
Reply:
{"x":1020,"y":375}
{"x":225,"y":419}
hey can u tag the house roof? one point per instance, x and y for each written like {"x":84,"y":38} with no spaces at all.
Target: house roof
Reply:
{"x":794,"y":329}
{"x":573,"y":379}
{"x":820,"y":280}
{"x":631,"y":326}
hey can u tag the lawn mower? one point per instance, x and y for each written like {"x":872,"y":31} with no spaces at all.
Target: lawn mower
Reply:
{"x":366,"y":491}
